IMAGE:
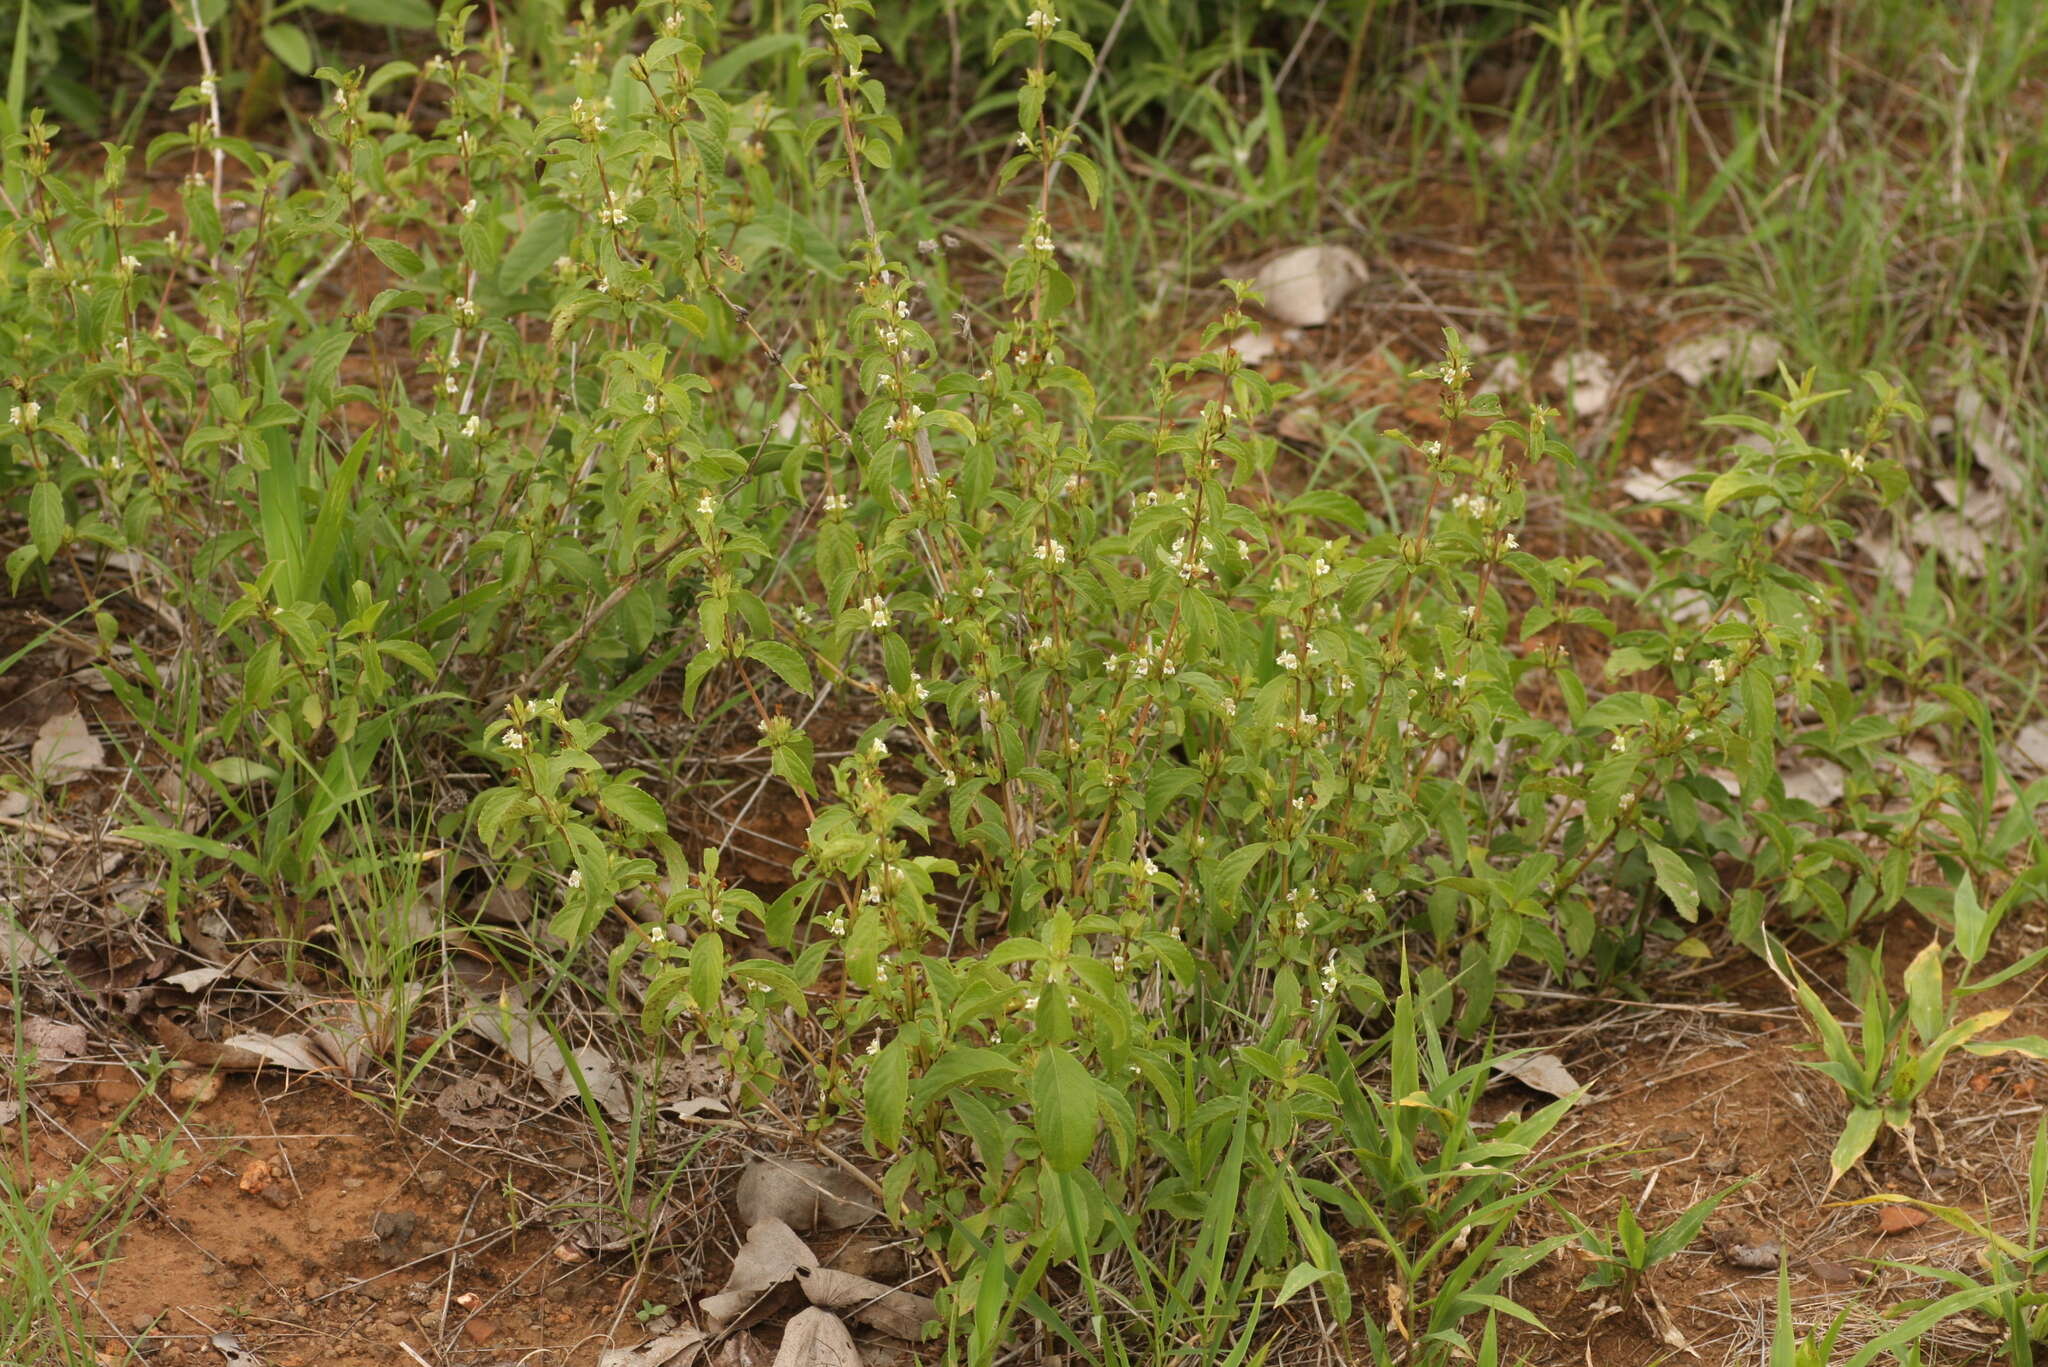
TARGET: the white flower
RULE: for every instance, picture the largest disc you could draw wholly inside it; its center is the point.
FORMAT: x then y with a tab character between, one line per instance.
451	385
1330	975
564	264
1309	719
1719	669
472	425
1318	567
575	879
1229	706
836	22
1151	869
1049	552
875	1044
1509	542
1024	141
130	265
877	609
1437	673
464	309
1041	22
469	207
612	215
24	415
1288	661
1854	460
1432	449
651	403
1469	611
707	504
657	935
1030	1002
1300	922
835	923
837	503
1372	899
207	89
1619	744
514	740
1042	244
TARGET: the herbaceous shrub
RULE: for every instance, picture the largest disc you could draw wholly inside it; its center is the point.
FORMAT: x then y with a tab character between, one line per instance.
537	385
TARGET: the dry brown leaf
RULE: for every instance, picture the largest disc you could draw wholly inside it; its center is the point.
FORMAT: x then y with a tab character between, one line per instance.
742	1349
1541	1072
13	802
1304	285
1750	1251
2030	744
1736	351
902	1313
1588	379
1950	536
1253	348
10	1111
476	1102
669	1350
1899	1219
1659	482
230	1347
804	1196
54	1043
770	1257
1834	1273
1819	781
816	1338
506	1023
65	749
21	947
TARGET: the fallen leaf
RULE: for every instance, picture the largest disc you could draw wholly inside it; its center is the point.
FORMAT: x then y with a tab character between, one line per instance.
10	1111
193	979
1738	351
65	749
670	1350
2030	744
13	802
1991	441
742	1349
690	1107
902	1313
1304	285
1542	1072
1253	348
816	1338
1658	483
1834	1273
1588	378
1898	568
1750	1251
770	1257
54	1043
1899	1219
506	1023
1951	536
230	1347
21	947
1819	781
476	1102
1507	378
804	1196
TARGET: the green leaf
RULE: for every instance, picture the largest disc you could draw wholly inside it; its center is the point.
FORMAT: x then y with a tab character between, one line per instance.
1063	1095
787	664
886	1095
46	525
1676	878
400	259
1859	1132
398	13
546	237
636	808
291	46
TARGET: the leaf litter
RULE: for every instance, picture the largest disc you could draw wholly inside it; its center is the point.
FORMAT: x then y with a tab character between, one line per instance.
65	749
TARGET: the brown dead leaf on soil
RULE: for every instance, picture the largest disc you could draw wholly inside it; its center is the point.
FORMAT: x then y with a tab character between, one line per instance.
65	749
1540	1072
768	1259
804	1196
668	1350
817	1338
901	1313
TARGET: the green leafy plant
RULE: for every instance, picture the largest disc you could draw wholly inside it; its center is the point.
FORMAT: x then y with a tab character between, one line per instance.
1901	1045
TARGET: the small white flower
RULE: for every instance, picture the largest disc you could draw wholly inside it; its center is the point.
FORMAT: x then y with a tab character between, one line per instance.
1042	244
1437	673
1469	612
464	309
514	740
1619	744
707	504
1299	804
24	415
472	425
877	609
564	265
1432	449
130	265
1854	460
1041	21
1309	719
469	207
1024	141
836	22
1372	899
657	935
207	89
1030	1002
1229	706
575	879
1049	552
650	404
612	216
875	1044
1288	661
949	778
1300	922
1719	669
451	385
